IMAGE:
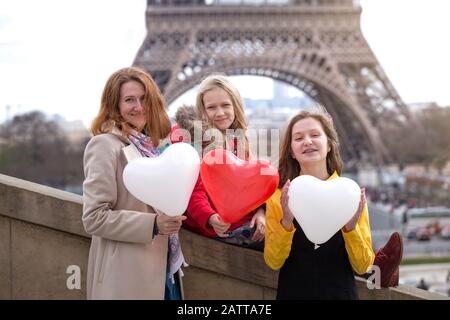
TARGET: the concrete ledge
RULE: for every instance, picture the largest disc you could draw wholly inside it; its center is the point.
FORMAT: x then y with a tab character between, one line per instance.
5	262
236	262
45	206
201	284
40	258
400	292
41	234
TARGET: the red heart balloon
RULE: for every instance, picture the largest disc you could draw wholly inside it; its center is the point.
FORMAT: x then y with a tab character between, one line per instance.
236	186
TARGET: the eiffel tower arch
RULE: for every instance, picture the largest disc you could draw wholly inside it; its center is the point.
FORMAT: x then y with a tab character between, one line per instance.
314	45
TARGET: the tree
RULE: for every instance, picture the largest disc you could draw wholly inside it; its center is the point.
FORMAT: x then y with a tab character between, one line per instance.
37	149
425	142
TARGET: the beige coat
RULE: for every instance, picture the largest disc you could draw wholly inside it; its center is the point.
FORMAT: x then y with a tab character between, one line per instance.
125	261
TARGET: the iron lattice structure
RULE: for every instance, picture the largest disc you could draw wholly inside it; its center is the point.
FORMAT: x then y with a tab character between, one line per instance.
314	45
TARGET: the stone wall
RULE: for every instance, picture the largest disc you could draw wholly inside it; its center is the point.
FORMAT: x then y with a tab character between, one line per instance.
41	235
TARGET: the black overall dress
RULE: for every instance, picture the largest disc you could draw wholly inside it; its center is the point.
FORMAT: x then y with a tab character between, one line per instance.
324	273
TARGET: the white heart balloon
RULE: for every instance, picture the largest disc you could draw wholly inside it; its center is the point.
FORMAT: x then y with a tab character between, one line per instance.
165	182
321	208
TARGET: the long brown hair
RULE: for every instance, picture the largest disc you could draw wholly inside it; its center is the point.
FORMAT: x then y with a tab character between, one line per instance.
157	122
289	168
219	81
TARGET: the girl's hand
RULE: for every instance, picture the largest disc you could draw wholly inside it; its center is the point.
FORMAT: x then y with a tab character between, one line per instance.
218	225
169	225
288	217
354	220
259	218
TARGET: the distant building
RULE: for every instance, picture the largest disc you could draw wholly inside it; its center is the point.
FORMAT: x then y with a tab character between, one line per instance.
280	90
268	114
274	114
368	177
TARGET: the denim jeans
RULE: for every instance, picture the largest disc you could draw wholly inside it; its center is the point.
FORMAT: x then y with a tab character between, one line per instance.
172	291
242	236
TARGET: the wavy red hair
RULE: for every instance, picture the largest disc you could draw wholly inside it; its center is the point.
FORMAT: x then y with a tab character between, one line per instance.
158	123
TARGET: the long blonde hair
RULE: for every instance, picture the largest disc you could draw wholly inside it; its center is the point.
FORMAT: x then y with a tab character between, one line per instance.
157	122
289	168
219	81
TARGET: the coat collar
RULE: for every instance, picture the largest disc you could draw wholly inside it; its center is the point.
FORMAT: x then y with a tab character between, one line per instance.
129	150
115	131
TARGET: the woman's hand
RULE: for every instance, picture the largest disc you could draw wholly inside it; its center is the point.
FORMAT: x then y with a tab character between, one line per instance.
168	225
218	225
354	220
288	217
259	218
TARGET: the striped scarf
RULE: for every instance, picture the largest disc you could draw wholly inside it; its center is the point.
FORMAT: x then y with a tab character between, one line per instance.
144	144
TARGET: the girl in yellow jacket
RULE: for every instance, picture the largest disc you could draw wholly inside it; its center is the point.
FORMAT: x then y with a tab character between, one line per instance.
311	147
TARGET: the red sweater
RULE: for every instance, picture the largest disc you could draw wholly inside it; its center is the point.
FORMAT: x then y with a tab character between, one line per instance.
199	210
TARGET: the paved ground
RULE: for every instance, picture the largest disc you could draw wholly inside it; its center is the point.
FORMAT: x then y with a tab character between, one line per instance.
434	275
383	224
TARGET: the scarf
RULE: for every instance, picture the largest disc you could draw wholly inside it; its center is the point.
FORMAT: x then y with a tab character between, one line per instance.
176	258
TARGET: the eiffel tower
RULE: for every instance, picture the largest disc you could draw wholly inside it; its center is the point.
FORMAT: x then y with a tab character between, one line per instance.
314	45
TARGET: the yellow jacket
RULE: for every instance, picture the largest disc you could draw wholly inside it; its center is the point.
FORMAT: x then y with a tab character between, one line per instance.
358	242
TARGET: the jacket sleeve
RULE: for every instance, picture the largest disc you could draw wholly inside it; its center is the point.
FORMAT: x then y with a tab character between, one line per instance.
100	187
277	244
358	244
199	208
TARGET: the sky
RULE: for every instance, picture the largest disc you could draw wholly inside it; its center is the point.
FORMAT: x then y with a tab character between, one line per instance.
56	55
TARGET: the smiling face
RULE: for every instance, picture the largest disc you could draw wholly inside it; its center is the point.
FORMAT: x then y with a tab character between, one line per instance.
131	104
309	142
219	108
